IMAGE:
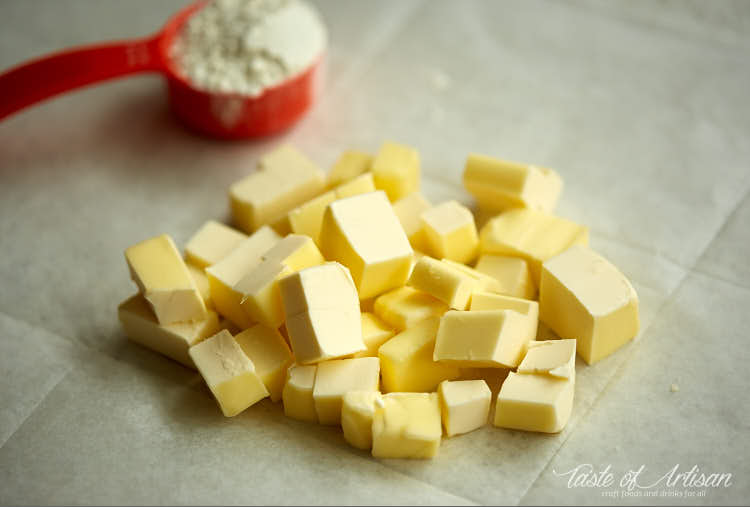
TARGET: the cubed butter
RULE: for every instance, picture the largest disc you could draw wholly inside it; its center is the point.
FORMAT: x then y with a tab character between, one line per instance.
403	307
201	283
483	282
450	232
375	333
357	411
307	218
534	403
551	357
211	243
465	405
444	282
228	372
406	425
490	301
396	170
297	395
512	274
361	184
409	209
348	166
270	354
584	296
337	377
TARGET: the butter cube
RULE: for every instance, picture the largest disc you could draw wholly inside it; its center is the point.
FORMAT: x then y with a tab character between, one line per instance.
322	313
362	184
164	280
171	340
407	425
484	282
443	282
270	354
489	301
465	405
534	403
375	333
552	357
285	179
406	361
409	209
450	232
500	184
224	275
357	412
296	252
229	373
363	233
201	283
583	296
396	170
211	243
348	166
532	235
512	274
488	338
336	378
307	218
297	395
403	307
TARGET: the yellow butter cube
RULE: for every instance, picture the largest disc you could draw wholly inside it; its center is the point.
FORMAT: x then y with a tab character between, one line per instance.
270	354
363	233
409	209
211	243
501	184
584	296
490	301
406	425
465	405
512	274
534	403
396	170
348	166
297	395
164	280
308	217
295	251
375	333
483	282
361	184
551	357
228	372
406	361
532	235
336	378
201	283
357	412
443	282
450	232
403	307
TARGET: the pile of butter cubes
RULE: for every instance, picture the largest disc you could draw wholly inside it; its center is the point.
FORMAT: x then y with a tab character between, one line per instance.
358	303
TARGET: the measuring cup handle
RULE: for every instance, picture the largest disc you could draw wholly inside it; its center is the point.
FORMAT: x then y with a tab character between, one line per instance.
50	75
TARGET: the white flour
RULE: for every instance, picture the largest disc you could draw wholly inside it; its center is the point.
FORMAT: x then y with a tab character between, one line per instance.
245	46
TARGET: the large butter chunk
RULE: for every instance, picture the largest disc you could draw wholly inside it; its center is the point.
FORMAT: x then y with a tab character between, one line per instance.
406	362
285	179
322	313
211	243
500	184
172	340
583	296
375	333
396	170
444	282
228	372
336	378
224	275
405	306
357	412
297	395
409	209
511	273
450	232
534	403
465	405
363	233
406	425
164	280
532	235
487	338
552	357
348	166
270	354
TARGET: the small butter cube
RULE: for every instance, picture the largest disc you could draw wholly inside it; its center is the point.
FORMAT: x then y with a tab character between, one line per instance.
164	280
443	282
405	306
396	170
500	184
488	338
322	313
307	218
295	251
270	354
336	378
406	361
490	301
552	357
224	275
465	405
534	403
375	333
512	274
583	296
297	395
357	412
409	209
172	340
229	373
363	233
406	425
211	243
483	282
450	232
348	166
533	235
362	184
201	283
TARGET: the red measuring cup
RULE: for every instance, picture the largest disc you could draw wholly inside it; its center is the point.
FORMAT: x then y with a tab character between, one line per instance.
226	115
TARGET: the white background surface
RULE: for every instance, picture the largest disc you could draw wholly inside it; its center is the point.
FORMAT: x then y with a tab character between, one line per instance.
641	106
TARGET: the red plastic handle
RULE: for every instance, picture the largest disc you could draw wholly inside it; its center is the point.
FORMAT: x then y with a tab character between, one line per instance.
59	72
